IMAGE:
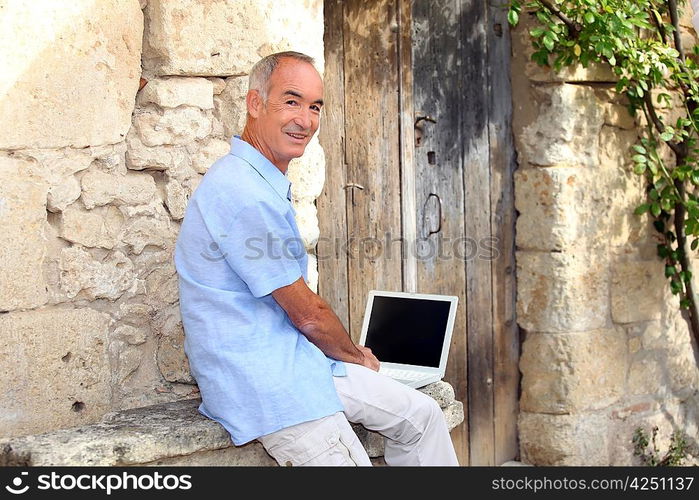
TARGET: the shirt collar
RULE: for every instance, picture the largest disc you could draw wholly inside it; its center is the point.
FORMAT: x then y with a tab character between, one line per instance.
264	167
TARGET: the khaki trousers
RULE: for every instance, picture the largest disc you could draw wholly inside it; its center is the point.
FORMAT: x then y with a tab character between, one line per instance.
412	423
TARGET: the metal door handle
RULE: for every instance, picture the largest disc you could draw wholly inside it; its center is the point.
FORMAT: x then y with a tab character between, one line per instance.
426	118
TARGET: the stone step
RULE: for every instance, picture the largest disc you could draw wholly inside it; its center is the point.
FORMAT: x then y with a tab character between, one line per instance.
169	434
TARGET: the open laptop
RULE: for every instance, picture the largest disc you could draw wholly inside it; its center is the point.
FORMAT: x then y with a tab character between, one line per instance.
410	334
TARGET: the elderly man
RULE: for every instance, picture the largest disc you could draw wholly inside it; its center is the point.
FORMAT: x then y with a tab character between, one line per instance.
272	360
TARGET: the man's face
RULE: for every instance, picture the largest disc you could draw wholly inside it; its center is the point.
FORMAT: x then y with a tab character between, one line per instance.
290	117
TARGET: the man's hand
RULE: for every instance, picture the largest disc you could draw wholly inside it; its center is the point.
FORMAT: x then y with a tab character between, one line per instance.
370	360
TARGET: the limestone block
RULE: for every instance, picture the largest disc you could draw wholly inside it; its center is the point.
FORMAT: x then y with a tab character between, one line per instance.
312	272
637	290
129	359
205	155
140	157
171	92
172	361
63	194
141	232
172	126
109	278
100	188
99	227
70	384
562	292
561	207
176	198
577	439
621	443
646	375
307	174
218	83
566	130
682	370
130	334
70	72
624	189
231	108
23	243
307	221
161	283
226	38
572	372
173	433
617	115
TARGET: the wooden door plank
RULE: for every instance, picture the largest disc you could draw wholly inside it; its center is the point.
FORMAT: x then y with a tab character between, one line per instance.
407	144
372	153
502	164
477	228
331	204
438	93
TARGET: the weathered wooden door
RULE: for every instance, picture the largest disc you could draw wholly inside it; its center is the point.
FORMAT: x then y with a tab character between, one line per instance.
418	192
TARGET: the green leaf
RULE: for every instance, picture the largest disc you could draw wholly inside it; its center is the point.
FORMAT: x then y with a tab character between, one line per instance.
640	159
548	42
513	17
695	244
676	287
655	209
642	209
670	271
589	17
536	32
639	168
663	251
640	149
667	136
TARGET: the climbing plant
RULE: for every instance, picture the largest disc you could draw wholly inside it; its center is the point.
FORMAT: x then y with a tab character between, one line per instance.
641	41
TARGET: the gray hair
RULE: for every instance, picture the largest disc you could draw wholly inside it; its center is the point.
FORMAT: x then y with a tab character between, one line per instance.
263	69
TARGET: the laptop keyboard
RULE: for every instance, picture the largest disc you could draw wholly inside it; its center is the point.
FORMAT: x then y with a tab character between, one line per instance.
402	375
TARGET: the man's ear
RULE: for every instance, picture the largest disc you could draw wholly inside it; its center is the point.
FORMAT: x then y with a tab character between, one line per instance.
253	100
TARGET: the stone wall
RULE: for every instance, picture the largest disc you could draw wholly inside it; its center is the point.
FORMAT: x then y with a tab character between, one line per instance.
605	349
94	179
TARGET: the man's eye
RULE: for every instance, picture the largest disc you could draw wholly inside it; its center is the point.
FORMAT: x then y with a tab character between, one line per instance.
316	109
291	102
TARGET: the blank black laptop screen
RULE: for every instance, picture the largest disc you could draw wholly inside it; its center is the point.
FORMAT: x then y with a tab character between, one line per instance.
408	331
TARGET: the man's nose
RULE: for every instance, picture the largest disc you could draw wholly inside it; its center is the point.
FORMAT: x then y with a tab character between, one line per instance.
304	118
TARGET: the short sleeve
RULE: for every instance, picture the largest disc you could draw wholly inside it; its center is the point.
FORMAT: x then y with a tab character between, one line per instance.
262	247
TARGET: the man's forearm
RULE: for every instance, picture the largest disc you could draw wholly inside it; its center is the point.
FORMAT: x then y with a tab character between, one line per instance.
328	334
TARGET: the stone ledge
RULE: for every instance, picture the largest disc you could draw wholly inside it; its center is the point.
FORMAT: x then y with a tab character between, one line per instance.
169	434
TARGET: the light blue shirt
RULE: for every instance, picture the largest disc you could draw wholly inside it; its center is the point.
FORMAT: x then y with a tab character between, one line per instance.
238	243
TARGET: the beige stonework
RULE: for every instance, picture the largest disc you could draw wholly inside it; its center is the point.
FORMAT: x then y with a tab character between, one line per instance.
22	244
562	292
70	72
230	105
573	372
226	38
637	291
566	130
180	125
100	188
59	375
99	227
172	92
108	278
577	439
